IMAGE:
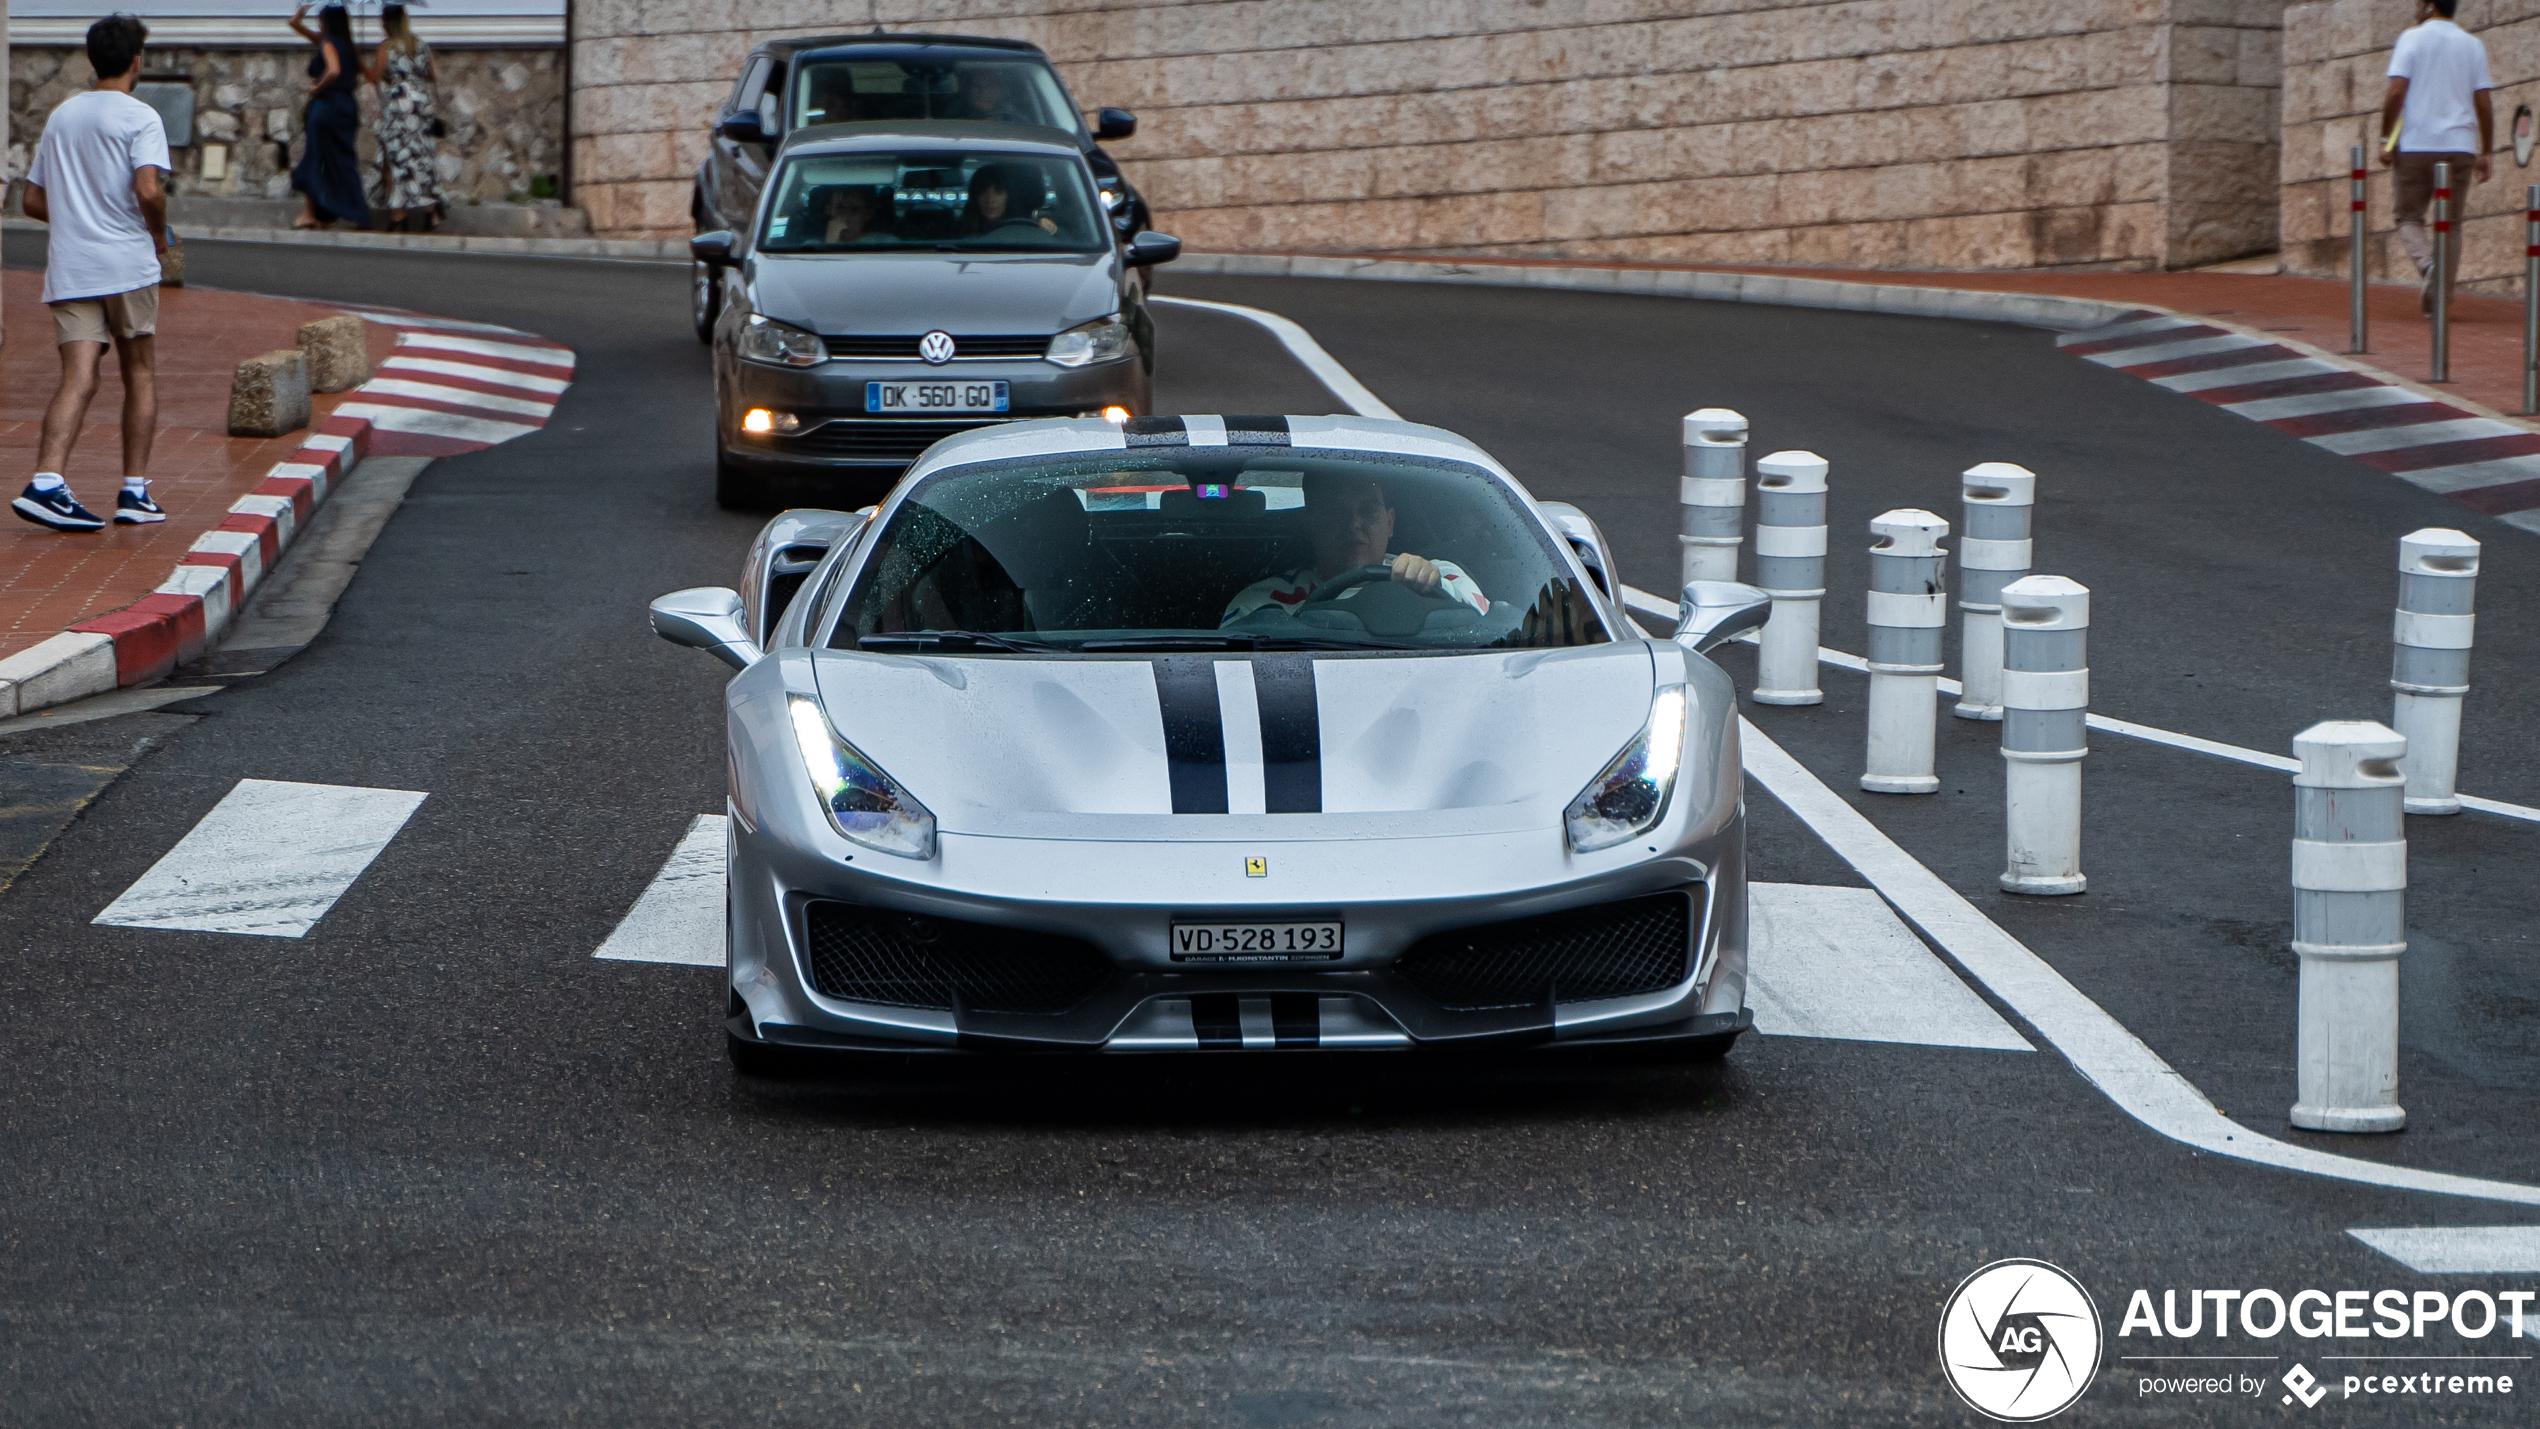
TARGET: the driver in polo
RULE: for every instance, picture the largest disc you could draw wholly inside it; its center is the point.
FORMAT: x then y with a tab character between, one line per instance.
1351	524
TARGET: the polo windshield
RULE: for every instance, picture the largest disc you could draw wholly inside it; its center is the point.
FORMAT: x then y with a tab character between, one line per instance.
963	200
1223	548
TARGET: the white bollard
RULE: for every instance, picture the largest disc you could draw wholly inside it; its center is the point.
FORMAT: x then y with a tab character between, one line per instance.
1713	494
1790	565
2350	879
2429	671
1993	551
1908	605
2045	731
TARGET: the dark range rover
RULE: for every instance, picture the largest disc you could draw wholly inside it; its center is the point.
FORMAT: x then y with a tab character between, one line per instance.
892	79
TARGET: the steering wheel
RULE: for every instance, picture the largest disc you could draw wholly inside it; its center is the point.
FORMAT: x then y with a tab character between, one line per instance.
1350	580
1018	221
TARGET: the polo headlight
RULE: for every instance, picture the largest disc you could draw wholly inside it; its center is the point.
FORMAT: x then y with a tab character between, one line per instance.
866	804
1098	341
1630	797
785	346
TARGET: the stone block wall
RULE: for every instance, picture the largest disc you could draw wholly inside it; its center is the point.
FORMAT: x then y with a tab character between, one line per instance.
504	110
2336	59
1848	133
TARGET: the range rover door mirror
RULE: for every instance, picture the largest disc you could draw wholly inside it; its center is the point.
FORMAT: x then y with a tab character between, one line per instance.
1712	613
743	128
1114	124
1150	248
713	248
707	618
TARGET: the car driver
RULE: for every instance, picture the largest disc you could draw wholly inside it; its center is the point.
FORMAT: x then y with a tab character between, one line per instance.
1351	524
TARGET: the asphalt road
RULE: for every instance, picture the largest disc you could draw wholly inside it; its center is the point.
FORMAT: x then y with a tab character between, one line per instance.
435	1163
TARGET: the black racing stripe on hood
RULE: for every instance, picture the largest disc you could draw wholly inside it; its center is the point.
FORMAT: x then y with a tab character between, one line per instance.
1256	431
1291	734
1155	432
1194	736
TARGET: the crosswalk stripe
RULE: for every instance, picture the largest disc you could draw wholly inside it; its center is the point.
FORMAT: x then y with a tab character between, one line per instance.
457	425
1839	963
481	347
477	371
679	918
2458	1250
455	396
269	859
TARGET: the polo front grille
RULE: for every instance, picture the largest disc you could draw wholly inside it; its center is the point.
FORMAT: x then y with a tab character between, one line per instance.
904	349
899	442
1640	945
861	954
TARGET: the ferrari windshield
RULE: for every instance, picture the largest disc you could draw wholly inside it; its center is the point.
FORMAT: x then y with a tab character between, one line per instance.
1214	548
958	200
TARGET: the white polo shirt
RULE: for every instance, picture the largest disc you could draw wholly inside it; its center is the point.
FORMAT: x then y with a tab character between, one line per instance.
2444	65
84	163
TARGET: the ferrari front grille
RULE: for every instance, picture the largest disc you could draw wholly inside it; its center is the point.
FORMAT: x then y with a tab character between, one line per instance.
860	954
1621	949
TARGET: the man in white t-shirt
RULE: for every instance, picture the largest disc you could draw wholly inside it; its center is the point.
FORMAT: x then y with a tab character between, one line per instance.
2439	104
98	180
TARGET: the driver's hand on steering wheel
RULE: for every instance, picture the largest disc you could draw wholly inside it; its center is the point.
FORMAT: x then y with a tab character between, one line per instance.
1048	224
1417	572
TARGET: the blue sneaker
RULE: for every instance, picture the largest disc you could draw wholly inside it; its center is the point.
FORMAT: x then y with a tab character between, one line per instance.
135	508
56	508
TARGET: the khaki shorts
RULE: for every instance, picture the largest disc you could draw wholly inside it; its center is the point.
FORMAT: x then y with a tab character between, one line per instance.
133	314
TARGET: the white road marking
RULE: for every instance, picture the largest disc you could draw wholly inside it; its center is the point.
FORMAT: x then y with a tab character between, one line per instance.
2311	404
499	376
1302	346
2247	373
2100	1048
511	351
2470	475
2130	329
2459	1250
1837	962
269	859
680	917
457	396
1649	604
435	424
2423	434
2168	351
1239	716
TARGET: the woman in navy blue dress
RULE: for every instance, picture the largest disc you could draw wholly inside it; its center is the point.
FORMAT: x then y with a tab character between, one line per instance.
329	174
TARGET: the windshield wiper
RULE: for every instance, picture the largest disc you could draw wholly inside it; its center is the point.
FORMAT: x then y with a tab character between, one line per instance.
1240	642
972	638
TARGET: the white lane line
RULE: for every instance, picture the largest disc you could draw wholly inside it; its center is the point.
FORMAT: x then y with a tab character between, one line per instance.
1837	962
2100	1048
457	396
476	372
2458	1250
1649	604
269	859
1302	346
680	917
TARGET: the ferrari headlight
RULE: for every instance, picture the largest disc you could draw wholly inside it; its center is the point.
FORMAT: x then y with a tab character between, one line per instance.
765	341
866	804
1098	341
1630	797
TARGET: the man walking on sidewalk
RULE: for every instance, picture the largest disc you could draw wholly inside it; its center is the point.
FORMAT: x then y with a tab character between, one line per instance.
2439	103
97	180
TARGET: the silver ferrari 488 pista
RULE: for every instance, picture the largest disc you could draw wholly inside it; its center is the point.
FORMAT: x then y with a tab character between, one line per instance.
1196	733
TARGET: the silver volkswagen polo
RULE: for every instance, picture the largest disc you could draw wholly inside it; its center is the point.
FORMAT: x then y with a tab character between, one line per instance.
1219	732
903	284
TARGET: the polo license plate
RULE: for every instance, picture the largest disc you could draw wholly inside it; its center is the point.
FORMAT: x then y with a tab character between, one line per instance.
901	399
1256	942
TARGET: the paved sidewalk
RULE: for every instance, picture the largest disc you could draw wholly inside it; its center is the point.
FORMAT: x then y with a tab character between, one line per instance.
50	581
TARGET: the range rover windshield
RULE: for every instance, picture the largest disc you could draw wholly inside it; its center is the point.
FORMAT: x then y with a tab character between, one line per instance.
884	87
1214	548
963	201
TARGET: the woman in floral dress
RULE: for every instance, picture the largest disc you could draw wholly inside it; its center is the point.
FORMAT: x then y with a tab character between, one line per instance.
402	69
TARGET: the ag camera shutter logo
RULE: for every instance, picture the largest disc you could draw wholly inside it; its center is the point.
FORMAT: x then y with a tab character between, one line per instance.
2019	1341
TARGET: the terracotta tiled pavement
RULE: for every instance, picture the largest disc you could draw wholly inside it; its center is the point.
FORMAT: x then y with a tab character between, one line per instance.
50	581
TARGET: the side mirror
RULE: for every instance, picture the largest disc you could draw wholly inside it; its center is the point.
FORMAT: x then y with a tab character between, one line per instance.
1150	248
714	249
1585	540
707	618
1114	124
1712	613
743	128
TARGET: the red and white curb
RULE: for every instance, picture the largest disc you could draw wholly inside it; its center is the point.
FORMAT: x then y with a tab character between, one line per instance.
2480	462
452	387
